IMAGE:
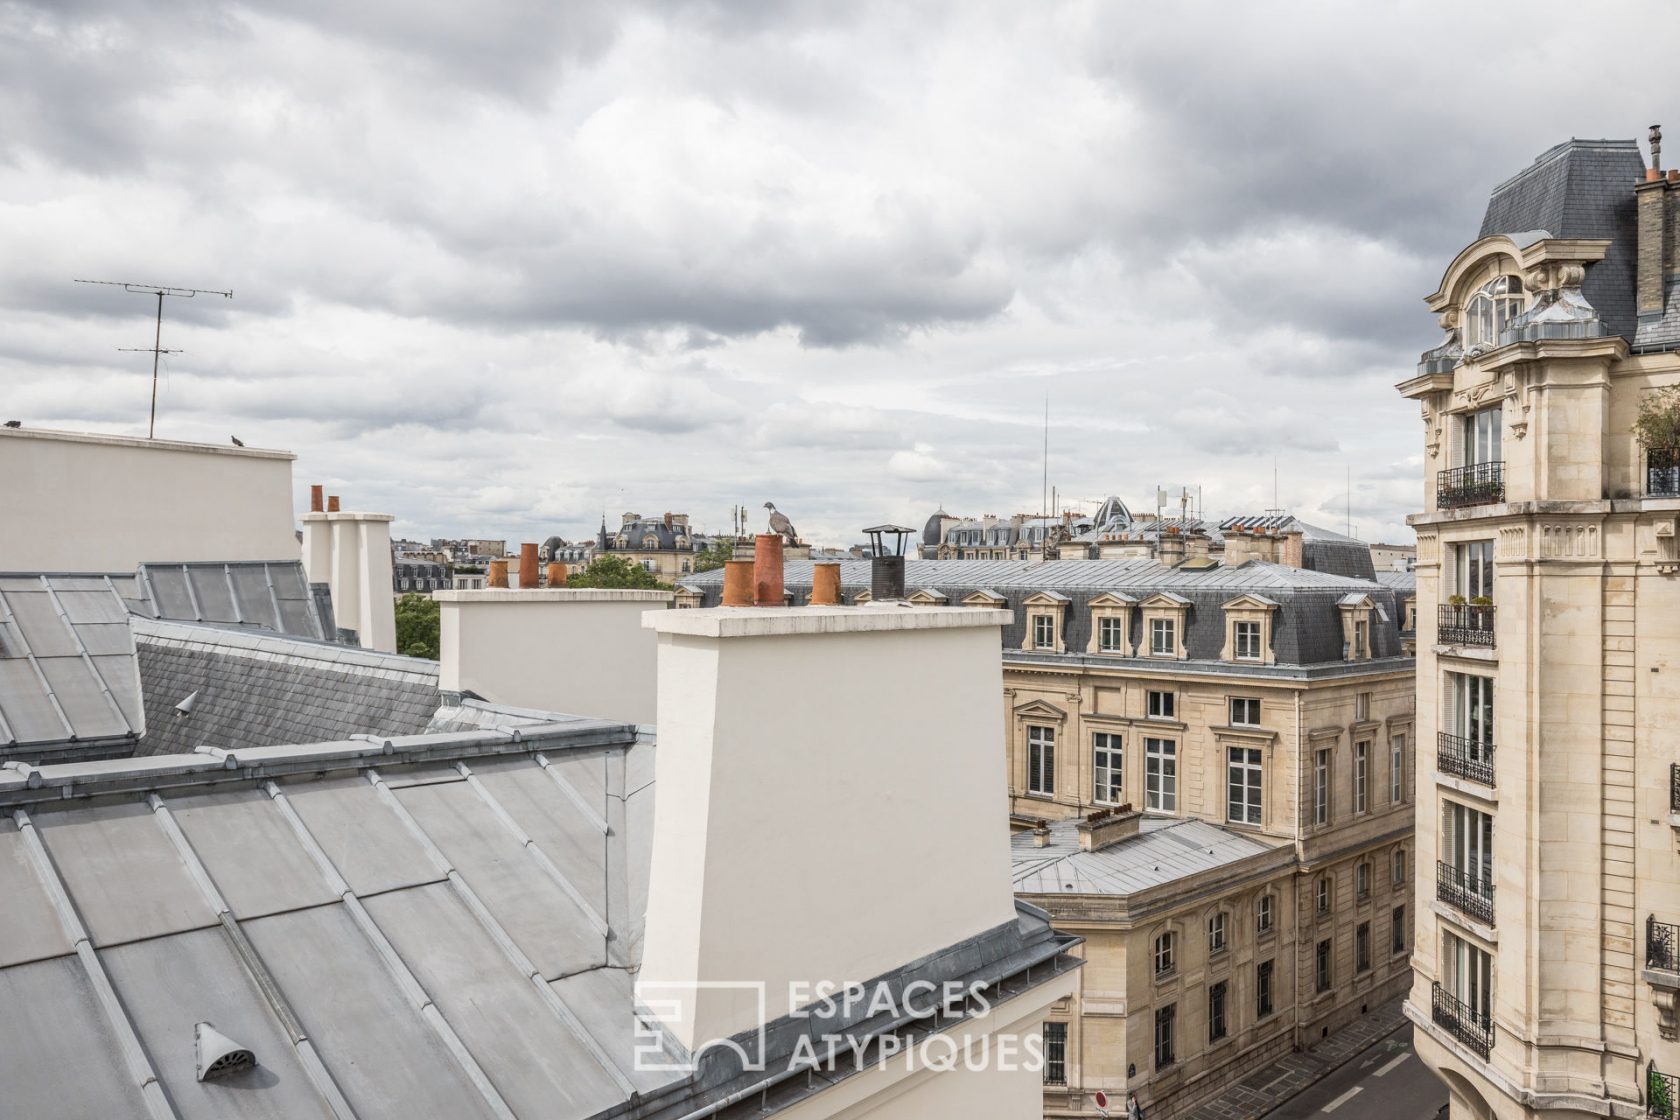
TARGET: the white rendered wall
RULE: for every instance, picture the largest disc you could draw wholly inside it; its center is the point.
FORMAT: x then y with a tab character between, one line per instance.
833	799
71	501
582	651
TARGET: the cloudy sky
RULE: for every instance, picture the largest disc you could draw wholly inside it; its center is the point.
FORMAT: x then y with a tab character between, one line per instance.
498	267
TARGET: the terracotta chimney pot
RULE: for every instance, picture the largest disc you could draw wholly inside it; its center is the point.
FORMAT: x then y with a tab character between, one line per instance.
557	574
825	585
1674	174
332	503
737	583
767	570
317	500
498	574
527	565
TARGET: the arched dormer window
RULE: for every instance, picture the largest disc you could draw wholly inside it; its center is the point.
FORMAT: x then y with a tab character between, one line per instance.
1491	310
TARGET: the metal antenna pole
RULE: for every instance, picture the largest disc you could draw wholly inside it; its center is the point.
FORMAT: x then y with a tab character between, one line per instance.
156	347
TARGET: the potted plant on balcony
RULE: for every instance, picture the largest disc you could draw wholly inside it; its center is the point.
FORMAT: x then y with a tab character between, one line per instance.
1481	601
1455	600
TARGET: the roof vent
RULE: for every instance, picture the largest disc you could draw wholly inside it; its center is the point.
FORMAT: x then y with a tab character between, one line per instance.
219	1055
185	707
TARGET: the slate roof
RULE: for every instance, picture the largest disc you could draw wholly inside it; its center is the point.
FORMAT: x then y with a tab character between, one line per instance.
1581	189
69	681
262	689
1164	850
1307	629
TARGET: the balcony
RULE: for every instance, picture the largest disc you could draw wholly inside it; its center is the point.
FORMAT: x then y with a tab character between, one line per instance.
1463	891
1465	624
1464	758
1478	484
1661	1091
1674	787
1662	472
1462	1022
1662	945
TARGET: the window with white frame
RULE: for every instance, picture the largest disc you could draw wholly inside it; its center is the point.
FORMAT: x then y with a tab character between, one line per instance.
1111	634
1362	879
1491	309
1471	717
1041	760
1361	707
1166	953
1160	704
1480	436
1160	775
1322	894
1467	836
1264	914
1245	711
1397	866
1216	933
1044	631
1246	640
1321	787
1469	977
1397	769
1108	764
1163	637
1361	638
1243	781
1361	777
1473	570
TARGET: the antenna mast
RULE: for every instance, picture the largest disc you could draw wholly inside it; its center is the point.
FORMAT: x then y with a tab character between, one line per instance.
156	348
1044	489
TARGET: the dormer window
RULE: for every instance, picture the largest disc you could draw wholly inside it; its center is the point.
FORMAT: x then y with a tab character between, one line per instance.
1164	624
1111	624
1248	629
1491	310
1045	613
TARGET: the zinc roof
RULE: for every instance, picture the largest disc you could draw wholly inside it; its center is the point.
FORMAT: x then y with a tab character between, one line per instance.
1164	850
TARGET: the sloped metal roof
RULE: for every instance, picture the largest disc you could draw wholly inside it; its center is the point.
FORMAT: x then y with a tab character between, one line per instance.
1164	850
69	680
273	596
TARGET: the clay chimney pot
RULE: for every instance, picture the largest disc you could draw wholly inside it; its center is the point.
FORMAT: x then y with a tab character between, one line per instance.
317	501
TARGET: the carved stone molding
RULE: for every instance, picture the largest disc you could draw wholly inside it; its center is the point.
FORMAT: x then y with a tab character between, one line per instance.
1569	541
1668	1013
1512	543
1668	560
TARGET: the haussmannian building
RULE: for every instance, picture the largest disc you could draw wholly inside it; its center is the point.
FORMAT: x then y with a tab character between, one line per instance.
1548	589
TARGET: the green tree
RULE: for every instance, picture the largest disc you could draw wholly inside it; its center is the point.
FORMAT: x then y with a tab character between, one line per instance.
417	626
1658	423
615	571
722	549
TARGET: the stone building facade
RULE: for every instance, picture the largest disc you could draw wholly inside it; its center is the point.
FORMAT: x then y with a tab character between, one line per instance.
1549	889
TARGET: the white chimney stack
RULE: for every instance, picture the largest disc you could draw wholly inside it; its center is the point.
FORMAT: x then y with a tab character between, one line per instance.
831	803
351	554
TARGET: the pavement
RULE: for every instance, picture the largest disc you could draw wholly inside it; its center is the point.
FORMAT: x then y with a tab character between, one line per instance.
1365	1071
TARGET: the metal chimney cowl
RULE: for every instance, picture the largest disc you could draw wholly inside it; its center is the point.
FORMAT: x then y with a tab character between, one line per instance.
886	578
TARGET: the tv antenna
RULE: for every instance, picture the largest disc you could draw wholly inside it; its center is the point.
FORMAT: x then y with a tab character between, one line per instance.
156	348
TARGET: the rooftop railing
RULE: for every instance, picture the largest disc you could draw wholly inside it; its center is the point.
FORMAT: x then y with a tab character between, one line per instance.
1473	894
1662	945
1464	758
1662	472
1463	1022
1465	624
1477	484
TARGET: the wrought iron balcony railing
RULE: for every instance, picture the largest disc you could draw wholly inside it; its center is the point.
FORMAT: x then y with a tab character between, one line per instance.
1662	1091
1472	894
1466	624
1464	1023
1478	484
1662	945
1464	758
1674	787
1662	472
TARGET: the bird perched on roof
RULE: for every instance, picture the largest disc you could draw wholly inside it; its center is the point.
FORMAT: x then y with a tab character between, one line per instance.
237	442
14	423
780	524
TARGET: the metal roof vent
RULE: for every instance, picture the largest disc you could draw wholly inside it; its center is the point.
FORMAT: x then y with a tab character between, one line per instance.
185	707
219	1055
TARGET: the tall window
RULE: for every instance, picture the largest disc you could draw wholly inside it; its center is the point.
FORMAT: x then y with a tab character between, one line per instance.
1397	930
1041	760
1160	775
1322	892
1468	839
1473	569
1398	869
1164	1018
1472	713
1111	636
1044	631
1263	990
1162	635
1321	966
1491	310
1361	777
1361	706
1245	711
1055	1053
1216	934
1397	769
1247	640
1362	879
1160	704
1263	914
1166	953
1242	804
1470	976
1216	1011
1107	763
1481	436
1321	787
1362	947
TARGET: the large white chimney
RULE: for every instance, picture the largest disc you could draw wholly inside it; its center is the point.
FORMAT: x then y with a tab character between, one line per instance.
831	801
351	553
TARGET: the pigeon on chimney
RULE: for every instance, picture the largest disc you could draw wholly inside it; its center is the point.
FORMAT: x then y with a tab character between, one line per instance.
237	442
780	524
